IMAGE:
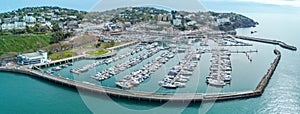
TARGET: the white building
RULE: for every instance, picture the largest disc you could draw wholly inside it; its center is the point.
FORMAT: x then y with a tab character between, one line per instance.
41	19
177	22
55	19
190	23
30	25
49	24
33	58
6	20
15	19
223	20
167	17
20	25
6	26
46	23
73	17
29	19
178	16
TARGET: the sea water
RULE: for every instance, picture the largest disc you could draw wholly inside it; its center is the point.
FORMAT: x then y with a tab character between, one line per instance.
25	94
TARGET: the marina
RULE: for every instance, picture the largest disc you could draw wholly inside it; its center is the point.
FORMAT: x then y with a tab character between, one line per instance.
151	97
178	76
114	70
220	68
280	95
138	76
107	61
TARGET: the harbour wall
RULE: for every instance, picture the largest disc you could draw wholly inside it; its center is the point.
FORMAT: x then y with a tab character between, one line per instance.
152	97
265	80
275	42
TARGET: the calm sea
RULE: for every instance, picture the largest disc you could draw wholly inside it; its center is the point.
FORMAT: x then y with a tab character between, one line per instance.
24	94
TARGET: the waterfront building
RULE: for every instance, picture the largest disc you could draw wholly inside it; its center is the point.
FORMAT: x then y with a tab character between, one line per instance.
3	63
33	58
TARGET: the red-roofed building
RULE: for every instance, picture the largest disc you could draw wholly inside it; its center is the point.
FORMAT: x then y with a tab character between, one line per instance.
96	39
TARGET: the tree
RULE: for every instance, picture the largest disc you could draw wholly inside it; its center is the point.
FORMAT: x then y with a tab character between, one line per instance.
57	36
29	29
18	31
80	16
60	36
7	15
55	27
112	43
36	28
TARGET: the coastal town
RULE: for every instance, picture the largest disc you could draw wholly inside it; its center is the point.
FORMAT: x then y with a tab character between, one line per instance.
55	29
124	48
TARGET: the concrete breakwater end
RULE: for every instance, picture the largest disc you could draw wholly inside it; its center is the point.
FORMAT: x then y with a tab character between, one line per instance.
146	96
280	43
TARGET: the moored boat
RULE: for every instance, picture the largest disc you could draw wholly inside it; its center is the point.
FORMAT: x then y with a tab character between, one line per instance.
56	68
217	83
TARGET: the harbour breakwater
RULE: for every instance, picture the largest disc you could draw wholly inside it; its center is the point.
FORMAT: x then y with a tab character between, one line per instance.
146	96
275	42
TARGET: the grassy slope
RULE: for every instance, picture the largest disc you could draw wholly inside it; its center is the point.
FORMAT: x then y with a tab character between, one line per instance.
62	55
97	52
23	43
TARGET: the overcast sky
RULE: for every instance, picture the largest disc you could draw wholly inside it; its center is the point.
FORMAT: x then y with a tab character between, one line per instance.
190	5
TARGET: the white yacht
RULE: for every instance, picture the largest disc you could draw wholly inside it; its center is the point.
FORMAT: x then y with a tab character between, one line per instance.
213	82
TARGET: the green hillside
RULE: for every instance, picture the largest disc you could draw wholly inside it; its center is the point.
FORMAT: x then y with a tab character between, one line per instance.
23	43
